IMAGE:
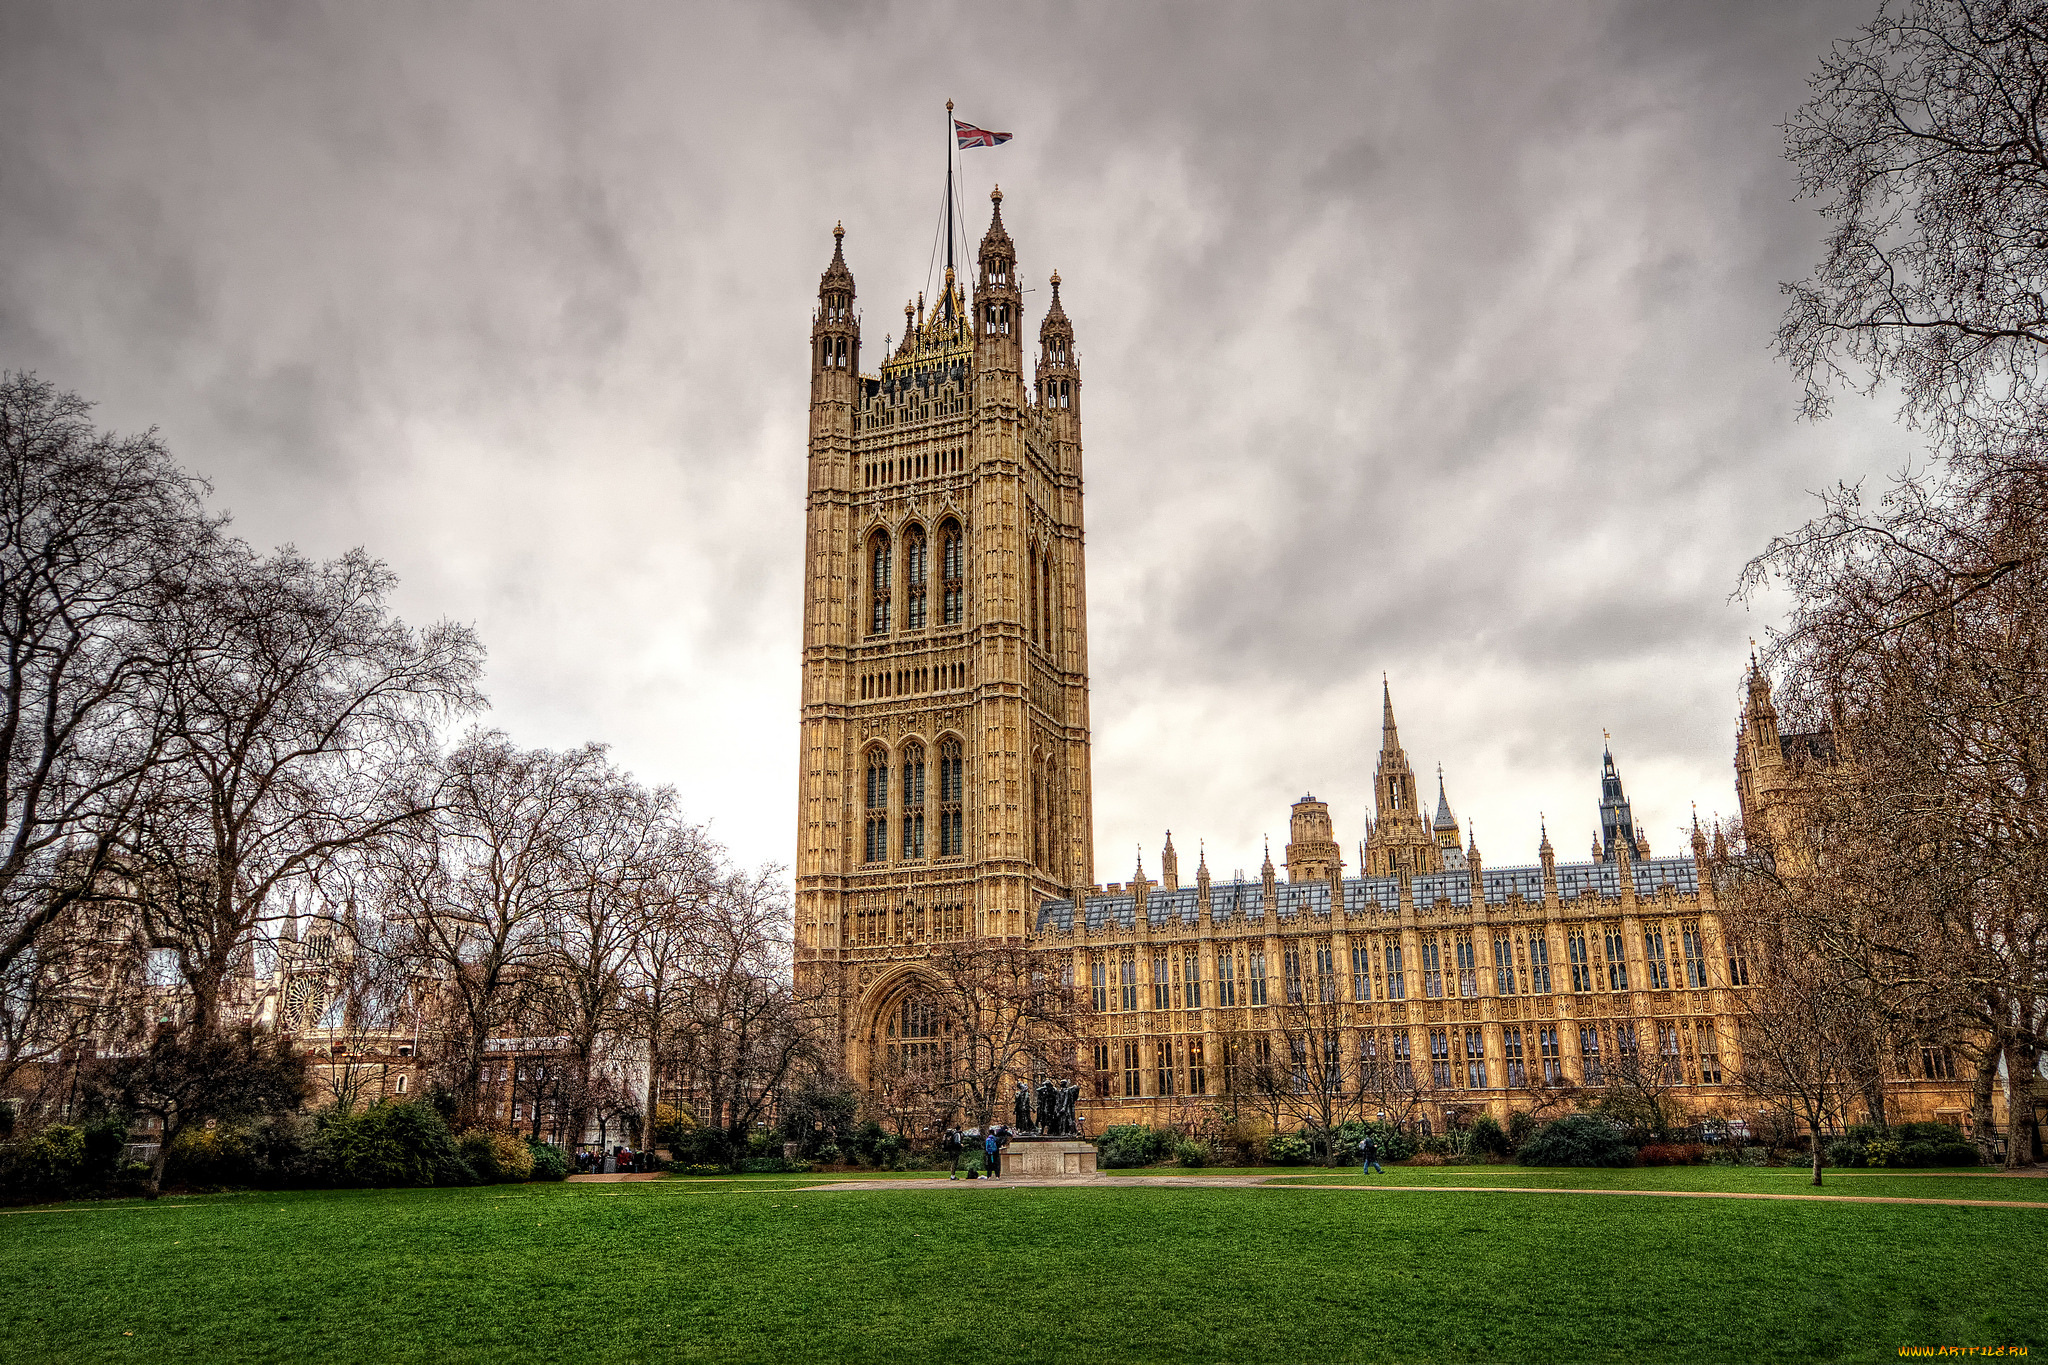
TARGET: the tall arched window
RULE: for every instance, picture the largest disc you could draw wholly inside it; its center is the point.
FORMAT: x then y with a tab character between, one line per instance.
876	849
1037	815
913	802
1031	611
952	787
916	556
1045	592
879	570
953	573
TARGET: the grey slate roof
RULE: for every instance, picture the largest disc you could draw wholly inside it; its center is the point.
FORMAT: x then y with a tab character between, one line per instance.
1246	900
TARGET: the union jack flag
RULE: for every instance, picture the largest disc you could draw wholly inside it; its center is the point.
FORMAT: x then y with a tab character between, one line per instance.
971	136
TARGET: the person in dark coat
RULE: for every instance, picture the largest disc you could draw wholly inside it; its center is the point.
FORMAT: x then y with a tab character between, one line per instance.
992	1154
952	1146
1369	1154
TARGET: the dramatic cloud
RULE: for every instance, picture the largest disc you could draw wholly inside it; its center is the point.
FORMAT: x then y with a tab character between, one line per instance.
1430	340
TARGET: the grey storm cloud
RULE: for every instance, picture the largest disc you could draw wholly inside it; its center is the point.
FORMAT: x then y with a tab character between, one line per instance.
1424	340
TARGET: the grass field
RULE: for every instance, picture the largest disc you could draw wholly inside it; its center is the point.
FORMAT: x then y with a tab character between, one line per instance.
763	1270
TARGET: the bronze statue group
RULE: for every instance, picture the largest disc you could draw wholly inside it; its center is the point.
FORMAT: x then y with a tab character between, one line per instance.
1055	1105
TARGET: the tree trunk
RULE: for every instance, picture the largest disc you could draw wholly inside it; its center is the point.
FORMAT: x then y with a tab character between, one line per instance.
653	1090
167	1134
1981	1092
2021	1060
1813	1138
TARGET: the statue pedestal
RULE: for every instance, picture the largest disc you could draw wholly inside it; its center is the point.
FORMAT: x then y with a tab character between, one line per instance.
1028	1154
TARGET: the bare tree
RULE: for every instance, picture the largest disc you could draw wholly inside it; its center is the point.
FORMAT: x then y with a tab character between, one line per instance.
97	534
592	933
1923	142
1392	1085
183	1079
1310	1079
1003	1014
747	1030
478	887
300	724
668	917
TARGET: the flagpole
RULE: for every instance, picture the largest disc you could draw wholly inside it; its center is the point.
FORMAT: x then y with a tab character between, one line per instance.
950	139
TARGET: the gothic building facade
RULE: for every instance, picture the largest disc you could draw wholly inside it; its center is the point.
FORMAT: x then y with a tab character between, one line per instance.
944	784
945	792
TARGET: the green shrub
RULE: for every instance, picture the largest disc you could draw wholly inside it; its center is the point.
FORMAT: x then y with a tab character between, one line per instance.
1124	1145
1487	1138
1845	1154
1577	1140
1756	1156
694	1168
549	1162
1191	1153
1521	1127
1936	1133
1723	1156
497	1157
1916	1154
1394	1144
1955	1152
46	1163
1288	1149
391	1144
1880	1152
772	1165
210	1157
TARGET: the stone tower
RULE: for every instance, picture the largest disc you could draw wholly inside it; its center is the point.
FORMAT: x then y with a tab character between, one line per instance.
1312	853
945	783
1401	840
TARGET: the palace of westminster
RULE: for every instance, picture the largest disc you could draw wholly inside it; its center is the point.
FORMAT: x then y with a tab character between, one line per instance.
946	790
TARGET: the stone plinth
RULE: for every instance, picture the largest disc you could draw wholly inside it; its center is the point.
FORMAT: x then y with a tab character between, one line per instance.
1029	1155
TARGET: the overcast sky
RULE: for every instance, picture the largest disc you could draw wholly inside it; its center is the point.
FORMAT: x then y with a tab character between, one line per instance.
1431	340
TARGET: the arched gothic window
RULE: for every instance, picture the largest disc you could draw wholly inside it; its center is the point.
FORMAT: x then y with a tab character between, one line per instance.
876	849
953	573
952	788
1037	816
1045	593
1032	556
913	802
916	556
879	570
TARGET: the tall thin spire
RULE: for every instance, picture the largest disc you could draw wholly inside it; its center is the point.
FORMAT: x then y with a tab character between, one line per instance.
1390	738
949	194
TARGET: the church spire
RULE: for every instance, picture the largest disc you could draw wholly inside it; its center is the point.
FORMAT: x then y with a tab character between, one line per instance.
1169	865
1390	738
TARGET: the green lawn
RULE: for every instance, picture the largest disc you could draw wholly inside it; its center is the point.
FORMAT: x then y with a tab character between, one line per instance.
763	1270
1943	1184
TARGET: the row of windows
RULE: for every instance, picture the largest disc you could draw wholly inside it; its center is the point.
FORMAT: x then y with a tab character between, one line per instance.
883	588
832	354
875	473
879	919
1057	393
1187	1073
904	682
1688	1053
912	812
1445	963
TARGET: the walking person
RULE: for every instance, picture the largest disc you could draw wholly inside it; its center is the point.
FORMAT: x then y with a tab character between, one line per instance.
1369	1154
992	1154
